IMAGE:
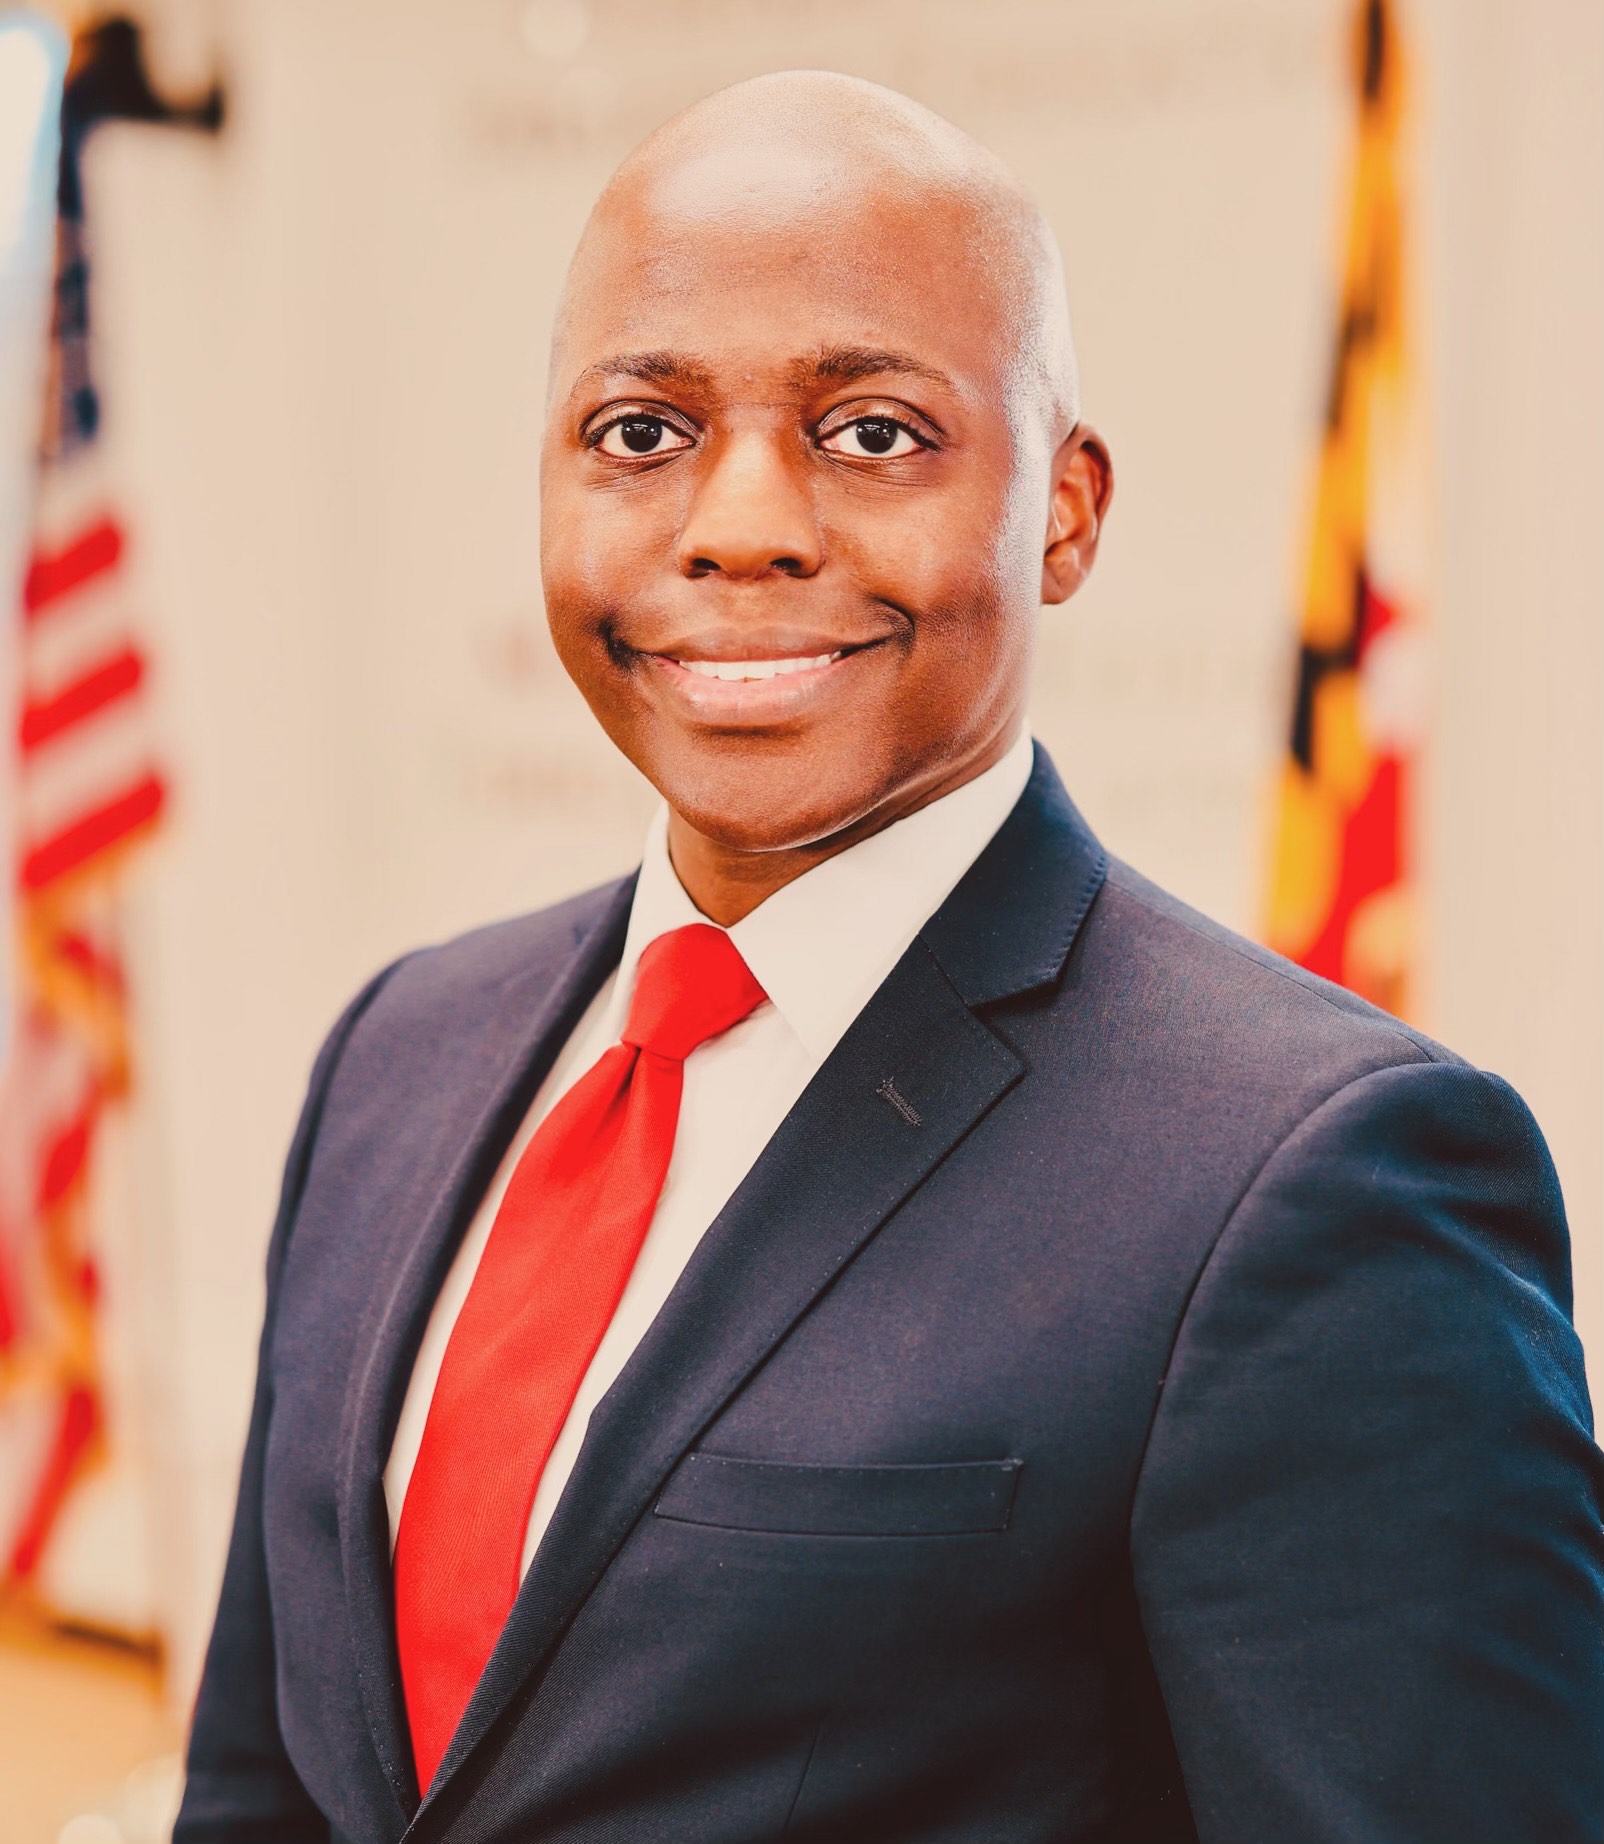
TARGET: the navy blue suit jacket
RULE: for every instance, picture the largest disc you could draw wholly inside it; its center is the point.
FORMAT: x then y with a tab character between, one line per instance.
1165	1424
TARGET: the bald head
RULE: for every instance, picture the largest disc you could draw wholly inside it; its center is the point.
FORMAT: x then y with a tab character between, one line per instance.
797	157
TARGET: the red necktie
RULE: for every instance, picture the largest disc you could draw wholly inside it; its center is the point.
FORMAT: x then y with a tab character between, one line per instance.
553	1270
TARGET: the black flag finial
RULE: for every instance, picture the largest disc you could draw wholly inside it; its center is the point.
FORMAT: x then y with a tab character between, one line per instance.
108	81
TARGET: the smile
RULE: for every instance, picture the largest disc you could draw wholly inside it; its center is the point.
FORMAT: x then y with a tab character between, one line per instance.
744	669
753	693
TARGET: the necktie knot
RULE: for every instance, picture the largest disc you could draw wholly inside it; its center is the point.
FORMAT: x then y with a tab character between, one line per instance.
691	984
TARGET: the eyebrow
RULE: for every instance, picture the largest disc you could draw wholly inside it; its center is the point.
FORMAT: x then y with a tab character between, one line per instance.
847	364
830	365
659	367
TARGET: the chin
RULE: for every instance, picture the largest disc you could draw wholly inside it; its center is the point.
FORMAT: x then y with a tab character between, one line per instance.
748	809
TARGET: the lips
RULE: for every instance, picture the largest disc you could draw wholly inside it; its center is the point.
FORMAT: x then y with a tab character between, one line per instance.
735	671
748	693
752	673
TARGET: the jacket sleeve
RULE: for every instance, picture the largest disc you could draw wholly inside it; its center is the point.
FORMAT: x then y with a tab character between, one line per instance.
1367	1531
240	1785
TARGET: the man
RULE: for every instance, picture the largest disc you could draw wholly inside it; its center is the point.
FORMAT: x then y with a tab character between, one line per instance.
886	1327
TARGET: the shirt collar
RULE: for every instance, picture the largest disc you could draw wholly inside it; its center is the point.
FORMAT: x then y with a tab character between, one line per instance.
820	946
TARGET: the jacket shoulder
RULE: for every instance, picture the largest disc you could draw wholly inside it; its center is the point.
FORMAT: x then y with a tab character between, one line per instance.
1184	962
505	948
450	985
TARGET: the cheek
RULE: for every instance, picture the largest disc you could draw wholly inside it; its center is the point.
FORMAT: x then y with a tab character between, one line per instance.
954	553
582	654
957	573
596	547
581	571
975	584
581	584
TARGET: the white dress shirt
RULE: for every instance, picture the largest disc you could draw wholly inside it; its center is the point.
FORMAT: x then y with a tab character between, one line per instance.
819	948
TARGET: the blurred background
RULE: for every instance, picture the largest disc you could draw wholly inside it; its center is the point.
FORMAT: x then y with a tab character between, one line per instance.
276	581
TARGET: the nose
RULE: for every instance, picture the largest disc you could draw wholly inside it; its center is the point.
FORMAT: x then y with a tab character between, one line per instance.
751	516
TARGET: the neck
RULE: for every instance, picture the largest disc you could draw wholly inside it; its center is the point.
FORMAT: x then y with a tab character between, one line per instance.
727	884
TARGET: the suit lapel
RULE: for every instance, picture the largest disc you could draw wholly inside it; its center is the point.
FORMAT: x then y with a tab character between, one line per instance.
912	1076
511	1049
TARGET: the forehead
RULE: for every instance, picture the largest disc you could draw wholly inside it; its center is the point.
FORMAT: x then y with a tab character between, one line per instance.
761	282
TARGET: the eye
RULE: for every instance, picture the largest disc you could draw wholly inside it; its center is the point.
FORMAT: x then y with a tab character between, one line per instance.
872	438
636	435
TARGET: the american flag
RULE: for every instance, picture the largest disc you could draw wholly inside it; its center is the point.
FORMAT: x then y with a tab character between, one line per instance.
86	789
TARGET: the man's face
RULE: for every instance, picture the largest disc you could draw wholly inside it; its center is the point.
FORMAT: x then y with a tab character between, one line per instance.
792	513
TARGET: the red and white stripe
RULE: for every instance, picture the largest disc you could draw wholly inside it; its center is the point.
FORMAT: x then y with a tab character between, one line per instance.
86	776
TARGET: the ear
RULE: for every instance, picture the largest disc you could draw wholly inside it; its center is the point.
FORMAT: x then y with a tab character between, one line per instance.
1082	486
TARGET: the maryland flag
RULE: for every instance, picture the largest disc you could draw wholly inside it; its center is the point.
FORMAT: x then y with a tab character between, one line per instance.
1341	897
86	790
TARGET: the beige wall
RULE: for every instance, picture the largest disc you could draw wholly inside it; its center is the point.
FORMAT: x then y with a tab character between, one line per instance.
1516	821
327	339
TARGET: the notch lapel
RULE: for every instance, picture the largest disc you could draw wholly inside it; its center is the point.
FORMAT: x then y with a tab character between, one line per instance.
914	1073
503	1059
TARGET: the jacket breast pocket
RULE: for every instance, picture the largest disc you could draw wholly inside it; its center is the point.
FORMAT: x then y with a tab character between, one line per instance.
969	1497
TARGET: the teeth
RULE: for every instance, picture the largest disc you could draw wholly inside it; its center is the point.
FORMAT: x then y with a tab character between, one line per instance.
754	668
